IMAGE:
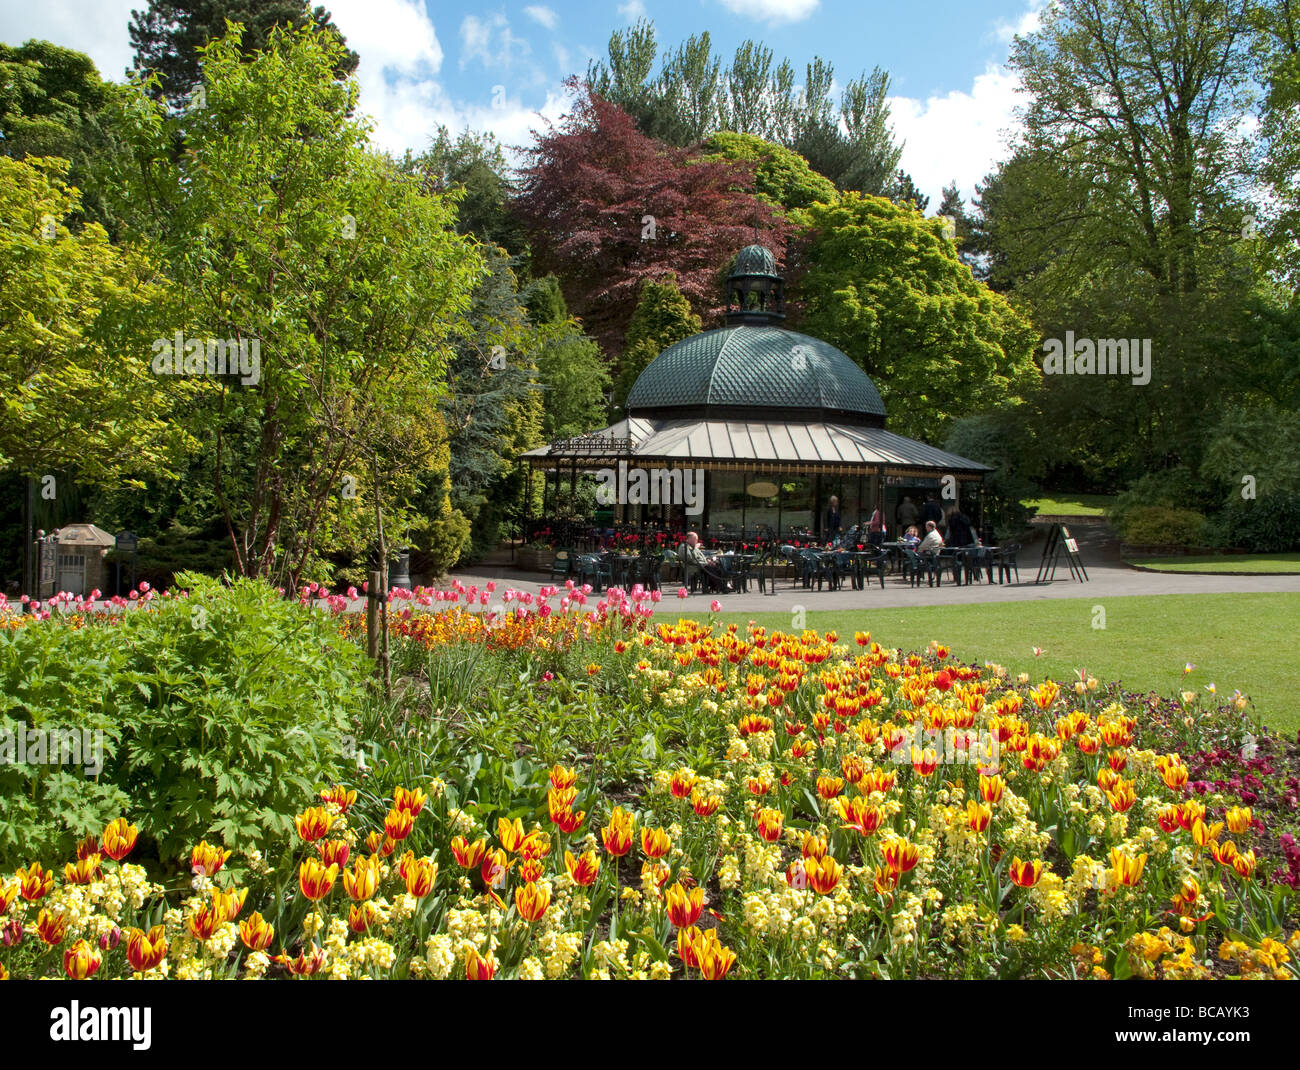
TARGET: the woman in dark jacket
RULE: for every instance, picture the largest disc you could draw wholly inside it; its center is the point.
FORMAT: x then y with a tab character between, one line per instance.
960	531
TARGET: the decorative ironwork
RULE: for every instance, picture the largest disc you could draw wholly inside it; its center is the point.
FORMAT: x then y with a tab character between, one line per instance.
592	444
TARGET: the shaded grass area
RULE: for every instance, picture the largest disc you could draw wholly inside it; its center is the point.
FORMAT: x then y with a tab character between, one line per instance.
1236	641
1262	563
1073	504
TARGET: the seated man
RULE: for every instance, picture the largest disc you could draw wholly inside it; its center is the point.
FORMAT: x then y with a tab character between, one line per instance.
694	555
933	541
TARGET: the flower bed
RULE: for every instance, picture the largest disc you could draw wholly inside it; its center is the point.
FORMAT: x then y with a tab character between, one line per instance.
810	807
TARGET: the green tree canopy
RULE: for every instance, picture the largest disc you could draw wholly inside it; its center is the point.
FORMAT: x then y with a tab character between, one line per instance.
662	316
169	35
76	318
781	177
887	288
281	227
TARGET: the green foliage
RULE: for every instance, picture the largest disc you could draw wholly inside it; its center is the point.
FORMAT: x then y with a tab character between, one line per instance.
494	405
1169	489
662	316
51	104
1161	525
169	36
474	165
221	712
572	371
887	288
781	177
76	317
693	97
280	225
1001	440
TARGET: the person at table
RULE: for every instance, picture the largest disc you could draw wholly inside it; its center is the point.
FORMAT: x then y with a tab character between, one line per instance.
933	541
960	530
693	553
907	514
833	523
877	526
912	538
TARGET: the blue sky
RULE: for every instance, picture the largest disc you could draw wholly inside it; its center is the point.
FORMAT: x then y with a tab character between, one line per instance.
501	66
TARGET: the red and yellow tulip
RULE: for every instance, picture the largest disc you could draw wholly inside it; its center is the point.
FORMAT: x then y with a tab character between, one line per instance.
316	880
144	950
684	905
81	960
119	838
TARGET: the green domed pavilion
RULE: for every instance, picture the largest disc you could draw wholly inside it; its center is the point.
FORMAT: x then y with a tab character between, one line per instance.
778	421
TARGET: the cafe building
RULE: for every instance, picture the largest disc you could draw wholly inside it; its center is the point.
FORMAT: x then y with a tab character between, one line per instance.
775	422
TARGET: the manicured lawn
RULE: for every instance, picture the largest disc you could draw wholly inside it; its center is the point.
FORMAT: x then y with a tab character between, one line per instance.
1073	504
1222	563
1241	641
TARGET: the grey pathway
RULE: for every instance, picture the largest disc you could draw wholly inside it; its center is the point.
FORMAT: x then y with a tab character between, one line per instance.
1108	578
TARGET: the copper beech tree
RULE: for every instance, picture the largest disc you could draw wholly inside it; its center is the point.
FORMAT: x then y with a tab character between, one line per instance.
608	209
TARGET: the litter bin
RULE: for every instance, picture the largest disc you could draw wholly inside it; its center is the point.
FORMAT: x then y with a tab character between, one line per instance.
399	570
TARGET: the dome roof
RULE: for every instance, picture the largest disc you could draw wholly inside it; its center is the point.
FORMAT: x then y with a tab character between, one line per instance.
755	260
752	371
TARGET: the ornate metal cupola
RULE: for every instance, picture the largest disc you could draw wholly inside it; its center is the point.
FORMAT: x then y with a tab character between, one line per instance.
755	289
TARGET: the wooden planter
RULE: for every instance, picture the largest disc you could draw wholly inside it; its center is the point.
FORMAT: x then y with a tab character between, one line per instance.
532	560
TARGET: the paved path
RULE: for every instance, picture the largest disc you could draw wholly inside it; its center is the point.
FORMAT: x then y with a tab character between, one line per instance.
1107	578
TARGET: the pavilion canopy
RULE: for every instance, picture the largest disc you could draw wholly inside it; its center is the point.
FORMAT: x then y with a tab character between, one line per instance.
716	444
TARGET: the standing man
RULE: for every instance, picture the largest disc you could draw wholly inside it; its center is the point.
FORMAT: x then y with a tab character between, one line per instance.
907	515
833	523
932	510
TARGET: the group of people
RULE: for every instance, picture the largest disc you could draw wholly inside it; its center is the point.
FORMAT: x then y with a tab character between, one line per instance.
951	528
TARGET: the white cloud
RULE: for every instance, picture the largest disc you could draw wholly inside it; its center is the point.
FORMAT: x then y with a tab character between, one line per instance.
1027	23
400	60
632	10
959	135
543	15
98	29
476	42
773	10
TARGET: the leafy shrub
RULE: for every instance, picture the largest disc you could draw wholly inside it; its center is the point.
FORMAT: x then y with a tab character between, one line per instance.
1267	524
1174	488
1159	525
220	711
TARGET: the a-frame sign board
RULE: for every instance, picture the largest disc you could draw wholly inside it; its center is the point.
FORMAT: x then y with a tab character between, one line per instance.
1059	542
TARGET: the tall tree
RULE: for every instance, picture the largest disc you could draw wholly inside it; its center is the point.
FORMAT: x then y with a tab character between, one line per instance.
1145	102
77	315
886	288
473	164
952	209
52	104
1277	34
693	96
663	316
282	228
608	208
1120	216
169	34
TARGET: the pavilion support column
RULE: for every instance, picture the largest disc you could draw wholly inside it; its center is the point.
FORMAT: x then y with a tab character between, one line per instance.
818	507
